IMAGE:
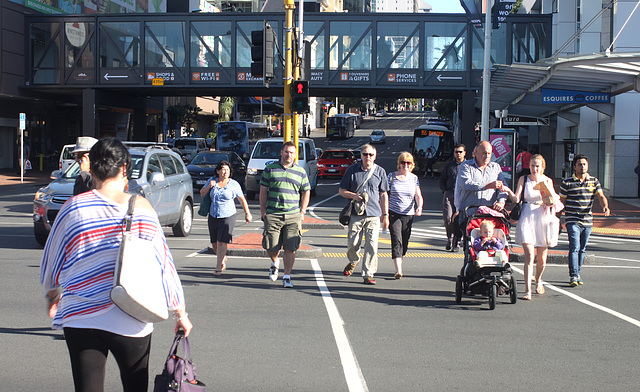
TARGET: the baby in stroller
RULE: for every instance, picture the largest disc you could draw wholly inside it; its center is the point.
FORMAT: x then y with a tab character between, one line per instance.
489	248
486	269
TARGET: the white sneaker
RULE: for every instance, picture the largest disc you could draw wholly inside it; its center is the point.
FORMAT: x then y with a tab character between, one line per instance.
273	273
286	283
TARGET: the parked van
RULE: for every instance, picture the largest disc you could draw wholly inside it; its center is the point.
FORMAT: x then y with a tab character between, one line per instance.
66	157
190	147
268	150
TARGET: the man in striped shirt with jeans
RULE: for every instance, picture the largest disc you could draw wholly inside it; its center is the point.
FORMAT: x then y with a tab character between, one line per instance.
284	197
577	193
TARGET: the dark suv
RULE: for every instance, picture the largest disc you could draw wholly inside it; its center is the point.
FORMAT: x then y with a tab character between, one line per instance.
158	174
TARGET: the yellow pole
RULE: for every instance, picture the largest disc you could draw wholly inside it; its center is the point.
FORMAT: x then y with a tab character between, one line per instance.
296	117
289	7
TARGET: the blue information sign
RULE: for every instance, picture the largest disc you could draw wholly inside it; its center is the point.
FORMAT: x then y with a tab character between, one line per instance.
552	97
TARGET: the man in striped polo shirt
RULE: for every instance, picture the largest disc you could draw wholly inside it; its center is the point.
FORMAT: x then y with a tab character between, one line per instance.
577	194
284	196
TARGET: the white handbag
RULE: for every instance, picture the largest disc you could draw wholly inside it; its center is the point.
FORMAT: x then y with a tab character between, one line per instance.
138	288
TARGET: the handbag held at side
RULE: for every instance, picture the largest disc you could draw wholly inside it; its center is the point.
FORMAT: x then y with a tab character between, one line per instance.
205	205
138	288
179	373
517	209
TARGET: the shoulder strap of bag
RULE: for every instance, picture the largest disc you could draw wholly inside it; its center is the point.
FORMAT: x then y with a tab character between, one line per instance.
126	222
361	187
524	183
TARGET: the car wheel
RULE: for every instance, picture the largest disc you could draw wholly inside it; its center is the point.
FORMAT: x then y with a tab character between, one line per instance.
41	236
183	227
251	195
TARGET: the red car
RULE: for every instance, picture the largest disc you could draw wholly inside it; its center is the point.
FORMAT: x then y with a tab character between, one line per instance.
335	162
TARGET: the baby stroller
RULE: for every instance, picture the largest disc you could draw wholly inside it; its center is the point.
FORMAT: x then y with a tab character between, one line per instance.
489	272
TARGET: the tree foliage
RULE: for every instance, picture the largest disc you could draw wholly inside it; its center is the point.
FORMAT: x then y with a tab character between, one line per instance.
182	114
445	108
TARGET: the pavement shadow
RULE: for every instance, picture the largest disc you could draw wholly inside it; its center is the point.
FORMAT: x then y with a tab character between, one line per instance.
38	331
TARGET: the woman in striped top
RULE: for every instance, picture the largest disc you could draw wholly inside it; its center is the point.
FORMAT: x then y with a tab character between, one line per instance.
405	201
77	273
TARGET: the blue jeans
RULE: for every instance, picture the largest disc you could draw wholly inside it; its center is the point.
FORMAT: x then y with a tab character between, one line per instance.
578	238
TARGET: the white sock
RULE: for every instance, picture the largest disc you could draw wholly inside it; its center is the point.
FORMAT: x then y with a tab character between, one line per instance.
286	277
276	263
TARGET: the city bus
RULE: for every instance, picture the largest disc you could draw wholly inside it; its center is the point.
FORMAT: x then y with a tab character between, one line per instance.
439	138
240	136
341	126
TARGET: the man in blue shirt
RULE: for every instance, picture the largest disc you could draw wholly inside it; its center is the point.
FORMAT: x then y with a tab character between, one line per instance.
479	183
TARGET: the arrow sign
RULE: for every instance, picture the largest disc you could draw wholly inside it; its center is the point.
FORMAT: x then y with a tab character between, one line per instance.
441	78
107	76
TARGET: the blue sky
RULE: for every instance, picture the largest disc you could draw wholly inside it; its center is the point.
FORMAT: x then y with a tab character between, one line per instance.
446	6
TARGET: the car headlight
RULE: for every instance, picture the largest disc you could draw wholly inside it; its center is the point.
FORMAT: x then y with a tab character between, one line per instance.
320	165
42	195
251	170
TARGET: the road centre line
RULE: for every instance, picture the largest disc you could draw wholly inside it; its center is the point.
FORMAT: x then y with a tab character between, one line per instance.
587	302
351	368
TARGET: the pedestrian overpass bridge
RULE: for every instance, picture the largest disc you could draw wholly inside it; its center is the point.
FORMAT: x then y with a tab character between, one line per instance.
368	55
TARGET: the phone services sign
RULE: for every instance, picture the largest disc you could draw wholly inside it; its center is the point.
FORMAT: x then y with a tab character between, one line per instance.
554	97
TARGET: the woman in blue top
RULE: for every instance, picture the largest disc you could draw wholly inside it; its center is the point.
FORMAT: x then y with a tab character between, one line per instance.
405	201
222	214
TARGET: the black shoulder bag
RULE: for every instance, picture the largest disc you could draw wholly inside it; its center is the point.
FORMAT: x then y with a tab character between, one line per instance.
517	210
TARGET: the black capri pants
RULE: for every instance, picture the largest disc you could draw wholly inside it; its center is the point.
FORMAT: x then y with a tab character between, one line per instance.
400	230
88	350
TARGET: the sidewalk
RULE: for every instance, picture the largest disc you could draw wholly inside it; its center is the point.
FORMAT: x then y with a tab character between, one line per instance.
10	177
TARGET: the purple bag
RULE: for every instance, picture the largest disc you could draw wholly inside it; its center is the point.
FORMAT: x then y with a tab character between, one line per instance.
179	374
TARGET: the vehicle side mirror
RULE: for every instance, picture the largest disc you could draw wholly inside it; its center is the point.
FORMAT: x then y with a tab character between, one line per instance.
56	174
312	157
156	177
410	144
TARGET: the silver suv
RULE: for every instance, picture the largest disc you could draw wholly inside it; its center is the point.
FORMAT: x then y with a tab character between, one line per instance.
158	174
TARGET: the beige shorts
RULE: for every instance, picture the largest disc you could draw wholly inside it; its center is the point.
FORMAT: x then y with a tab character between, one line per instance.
282	231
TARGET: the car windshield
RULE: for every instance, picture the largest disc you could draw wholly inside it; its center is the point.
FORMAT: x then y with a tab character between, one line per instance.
271	150
209	159
377	133
67	154
72	171
185	144
336	155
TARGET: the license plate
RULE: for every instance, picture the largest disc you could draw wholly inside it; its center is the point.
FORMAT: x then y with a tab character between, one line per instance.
200	182
332	170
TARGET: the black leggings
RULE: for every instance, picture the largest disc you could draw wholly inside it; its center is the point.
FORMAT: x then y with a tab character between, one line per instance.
400	230
88	349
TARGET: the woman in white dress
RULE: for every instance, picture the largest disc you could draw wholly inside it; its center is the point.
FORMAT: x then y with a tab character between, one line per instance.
533	231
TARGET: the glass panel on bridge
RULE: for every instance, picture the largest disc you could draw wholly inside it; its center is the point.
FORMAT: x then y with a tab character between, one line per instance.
165	44
314	33
211	44
120	45
45	41
398	45
350	46
445	46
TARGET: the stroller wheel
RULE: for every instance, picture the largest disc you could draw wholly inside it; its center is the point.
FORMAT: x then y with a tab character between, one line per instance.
493	293
459	289
513	291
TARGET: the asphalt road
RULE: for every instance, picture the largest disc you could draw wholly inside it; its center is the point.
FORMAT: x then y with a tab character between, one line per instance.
332	333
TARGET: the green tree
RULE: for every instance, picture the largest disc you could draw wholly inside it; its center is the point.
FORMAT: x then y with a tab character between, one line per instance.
226	108
445	108
181	114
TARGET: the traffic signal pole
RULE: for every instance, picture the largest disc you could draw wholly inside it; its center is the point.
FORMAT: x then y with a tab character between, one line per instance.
289	7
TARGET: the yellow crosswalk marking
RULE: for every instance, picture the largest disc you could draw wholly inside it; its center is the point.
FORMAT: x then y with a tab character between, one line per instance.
442	255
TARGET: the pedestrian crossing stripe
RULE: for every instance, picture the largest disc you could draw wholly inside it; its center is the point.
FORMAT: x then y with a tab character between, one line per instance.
444	255
386	241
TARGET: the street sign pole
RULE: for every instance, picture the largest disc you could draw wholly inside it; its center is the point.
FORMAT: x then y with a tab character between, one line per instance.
486	72
23	125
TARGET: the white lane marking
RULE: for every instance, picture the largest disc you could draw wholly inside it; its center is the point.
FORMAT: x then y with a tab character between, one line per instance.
617	258
587	302
352	372
311	209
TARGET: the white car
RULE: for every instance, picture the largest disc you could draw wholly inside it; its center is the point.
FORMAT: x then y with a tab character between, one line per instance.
381	113
378	137
67	158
